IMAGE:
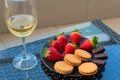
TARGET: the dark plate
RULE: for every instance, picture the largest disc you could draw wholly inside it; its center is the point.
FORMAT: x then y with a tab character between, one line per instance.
50	65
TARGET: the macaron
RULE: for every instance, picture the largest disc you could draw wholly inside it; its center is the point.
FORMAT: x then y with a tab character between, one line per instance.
72	60
63	68
88	69
82	54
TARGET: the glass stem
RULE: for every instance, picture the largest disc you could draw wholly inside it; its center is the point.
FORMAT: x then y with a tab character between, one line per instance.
24	48
24	57
26	75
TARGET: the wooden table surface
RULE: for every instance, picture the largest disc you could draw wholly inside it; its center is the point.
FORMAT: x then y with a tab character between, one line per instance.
113	23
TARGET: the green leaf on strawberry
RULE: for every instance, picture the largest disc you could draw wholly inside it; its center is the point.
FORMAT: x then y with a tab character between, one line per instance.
76	30
45	52
95	41
50	41
62	33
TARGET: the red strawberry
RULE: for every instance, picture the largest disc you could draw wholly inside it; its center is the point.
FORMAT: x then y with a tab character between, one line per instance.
52	54
63	39
89	44
56	44
75	36
69	48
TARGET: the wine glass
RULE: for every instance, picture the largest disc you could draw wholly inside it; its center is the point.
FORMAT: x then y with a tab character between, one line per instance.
21	20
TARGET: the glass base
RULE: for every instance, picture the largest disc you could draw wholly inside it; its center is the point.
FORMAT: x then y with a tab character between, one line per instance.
24	63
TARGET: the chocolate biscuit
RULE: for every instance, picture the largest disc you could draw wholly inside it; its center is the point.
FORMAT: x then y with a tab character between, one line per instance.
99	62
100	49
101	56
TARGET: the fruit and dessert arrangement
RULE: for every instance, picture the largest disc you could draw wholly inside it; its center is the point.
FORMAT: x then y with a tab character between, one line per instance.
69	53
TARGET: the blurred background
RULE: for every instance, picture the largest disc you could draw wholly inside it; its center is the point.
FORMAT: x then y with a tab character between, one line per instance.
62	12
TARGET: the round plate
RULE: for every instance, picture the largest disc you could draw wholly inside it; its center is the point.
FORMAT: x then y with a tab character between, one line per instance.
50	65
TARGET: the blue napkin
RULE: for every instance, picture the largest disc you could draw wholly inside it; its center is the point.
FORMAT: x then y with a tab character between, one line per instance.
112	67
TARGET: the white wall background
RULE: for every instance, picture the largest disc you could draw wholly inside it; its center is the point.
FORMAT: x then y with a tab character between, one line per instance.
59	12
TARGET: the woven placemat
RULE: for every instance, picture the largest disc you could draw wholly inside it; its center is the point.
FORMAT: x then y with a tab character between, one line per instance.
115	37
40	72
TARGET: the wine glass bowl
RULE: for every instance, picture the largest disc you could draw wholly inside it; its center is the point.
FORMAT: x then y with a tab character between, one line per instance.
21	20
21	17
21	25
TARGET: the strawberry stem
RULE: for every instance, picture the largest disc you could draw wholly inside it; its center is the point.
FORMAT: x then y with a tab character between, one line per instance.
45	52
62	33
50	41
95	41
76	30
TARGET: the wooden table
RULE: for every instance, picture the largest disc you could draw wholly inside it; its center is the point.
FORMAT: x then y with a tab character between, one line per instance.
113	23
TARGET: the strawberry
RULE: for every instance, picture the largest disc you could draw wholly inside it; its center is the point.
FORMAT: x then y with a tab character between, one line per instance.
52	54
69	48
75	36
56	44
89	44
63	39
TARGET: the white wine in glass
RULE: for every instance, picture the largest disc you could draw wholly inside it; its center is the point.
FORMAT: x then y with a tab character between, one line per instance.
21	25
21	19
